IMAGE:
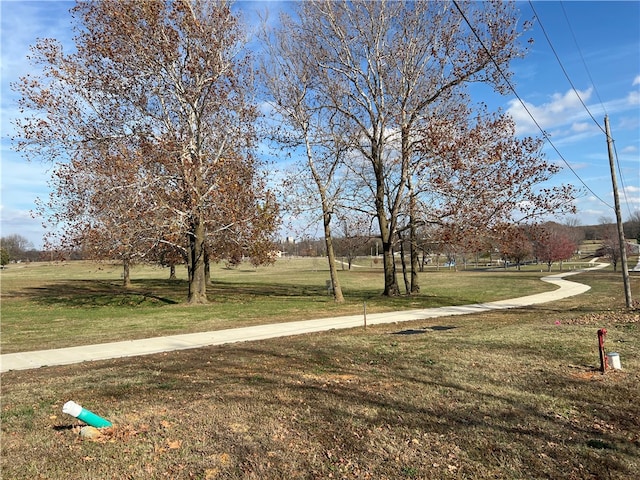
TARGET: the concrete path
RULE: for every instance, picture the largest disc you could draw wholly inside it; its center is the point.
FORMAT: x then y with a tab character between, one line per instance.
147	346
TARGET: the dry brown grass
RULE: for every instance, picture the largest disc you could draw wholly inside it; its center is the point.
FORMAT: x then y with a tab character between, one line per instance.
510	394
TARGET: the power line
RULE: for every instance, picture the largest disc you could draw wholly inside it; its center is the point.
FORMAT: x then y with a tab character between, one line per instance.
511	87
624	189
584	63
575	90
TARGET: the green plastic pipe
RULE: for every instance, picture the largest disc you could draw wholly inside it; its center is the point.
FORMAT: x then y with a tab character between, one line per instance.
90	418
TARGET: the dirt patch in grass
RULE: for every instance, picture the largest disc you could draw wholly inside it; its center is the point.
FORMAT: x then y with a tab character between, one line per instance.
625	317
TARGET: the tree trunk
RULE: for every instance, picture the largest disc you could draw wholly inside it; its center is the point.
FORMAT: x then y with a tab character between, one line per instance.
333	271
207	267
172	272
391	288
413	241
407	284
415	268
197	276
126	274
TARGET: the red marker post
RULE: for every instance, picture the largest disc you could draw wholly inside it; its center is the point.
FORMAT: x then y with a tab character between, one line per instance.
603	357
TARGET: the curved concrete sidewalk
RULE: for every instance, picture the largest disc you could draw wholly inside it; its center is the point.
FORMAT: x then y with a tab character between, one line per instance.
147	346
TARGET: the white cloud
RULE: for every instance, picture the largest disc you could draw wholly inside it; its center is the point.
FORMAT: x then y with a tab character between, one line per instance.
630	149
580	127
634	96
562	109
631	196
21	222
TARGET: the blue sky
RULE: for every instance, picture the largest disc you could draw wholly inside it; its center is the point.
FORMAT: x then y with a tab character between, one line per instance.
598	44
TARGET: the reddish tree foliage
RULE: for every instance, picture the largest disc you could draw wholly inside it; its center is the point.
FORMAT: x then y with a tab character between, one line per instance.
477	174
515	244
553	243
476	180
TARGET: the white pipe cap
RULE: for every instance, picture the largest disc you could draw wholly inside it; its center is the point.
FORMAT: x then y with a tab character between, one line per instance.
71	408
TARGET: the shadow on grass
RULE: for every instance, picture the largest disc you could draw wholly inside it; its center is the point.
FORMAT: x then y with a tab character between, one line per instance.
94	293
161	292
219	287
147	292
62	428
373	296
435	328
158	293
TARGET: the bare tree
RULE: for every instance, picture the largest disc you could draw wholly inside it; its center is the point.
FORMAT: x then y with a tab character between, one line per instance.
309	124
166	80
632	226
610	246
15	246
355	233
381	65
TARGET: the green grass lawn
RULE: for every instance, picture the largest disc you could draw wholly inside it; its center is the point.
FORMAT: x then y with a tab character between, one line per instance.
74	303
505	394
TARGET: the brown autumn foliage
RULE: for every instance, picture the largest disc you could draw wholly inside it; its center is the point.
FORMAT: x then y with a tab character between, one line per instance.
515	244
150	124
477	173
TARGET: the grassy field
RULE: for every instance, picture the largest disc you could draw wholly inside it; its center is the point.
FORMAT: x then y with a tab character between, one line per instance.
75	303
508	394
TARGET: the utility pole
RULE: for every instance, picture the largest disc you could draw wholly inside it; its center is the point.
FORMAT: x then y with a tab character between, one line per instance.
623	246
